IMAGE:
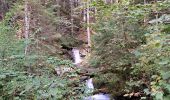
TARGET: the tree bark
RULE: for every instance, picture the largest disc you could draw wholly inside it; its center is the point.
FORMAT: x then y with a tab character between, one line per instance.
144	20
116	1
27	25
71	15
88	28
58	13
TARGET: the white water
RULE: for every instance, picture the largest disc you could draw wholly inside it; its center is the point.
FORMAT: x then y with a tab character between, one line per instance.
89	82
100	96
89	86
77	58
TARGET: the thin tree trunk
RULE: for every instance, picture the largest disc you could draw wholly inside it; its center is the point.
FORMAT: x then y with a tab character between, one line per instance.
72	20
95	12
105	1
116	1
84	12
156	16
111	1
58	8
27	25
144	20
88	28
58	13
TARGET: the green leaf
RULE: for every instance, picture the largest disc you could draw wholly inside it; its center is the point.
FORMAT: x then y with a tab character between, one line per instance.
164	62
167	87
159	96
166	75
53	91
2	76
147	91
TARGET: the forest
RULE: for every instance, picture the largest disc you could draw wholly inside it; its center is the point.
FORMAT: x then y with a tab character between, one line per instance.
84	49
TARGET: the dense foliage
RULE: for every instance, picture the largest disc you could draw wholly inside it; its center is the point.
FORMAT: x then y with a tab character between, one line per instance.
33	76
132	42
130	47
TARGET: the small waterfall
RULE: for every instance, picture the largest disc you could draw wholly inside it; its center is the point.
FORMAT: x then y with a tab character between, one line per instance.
89	86
100	96
89	82
76	54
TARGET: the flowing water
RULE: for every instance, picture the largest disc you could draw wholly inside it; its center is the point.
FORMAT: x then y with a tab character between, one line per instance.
89	82
76	55
100	96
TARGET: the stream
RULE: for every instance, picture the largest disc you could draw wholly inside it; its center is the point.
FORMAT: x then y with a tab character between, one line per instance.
89	82
76	56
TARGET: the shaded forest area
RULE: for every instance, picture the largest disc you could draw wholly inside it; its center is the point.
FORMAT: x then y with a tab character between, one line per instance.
123	46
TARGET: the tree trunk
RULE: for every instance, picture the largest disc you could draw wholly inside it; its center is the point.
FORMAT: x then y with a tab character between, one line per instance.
58	13
27	25
58	8
116	1
88	28
71	15
84	12
144	20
